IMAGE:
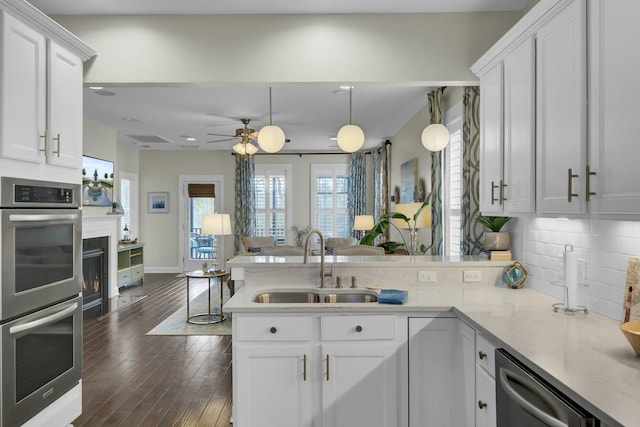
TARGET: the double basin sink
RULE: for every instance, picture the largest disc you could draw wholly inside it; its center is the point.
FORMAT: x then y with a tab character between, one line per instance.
315	296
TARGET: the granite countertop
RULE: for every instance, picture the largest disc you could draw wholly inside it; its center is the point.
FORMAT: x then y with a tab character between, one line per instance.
364	260
585	356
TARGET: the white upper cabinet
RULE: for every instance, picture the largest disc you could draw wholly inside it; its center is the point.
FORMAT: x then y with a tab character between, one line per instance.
41	102
23	89
561	106
491	137
614	108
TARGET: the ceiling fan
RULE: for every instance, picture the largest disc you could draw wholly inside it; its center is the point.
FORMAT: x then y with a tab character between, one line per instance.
247	136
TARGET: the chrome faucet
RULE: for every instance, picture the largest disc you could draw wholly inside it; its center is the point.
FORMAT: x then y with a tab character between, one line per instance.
306	254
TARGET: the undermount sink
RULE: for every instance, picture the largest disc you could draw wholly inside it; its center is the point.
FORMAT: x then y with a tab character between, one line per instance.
288	296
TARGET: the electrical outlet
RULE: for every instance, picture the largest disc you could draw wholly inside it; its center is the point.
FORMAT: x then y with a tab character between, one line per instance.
426	276
472	276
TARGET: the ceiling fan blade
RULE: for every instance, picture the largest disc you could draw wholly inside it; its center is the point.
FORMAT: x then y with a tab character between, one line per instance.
220	140
221	134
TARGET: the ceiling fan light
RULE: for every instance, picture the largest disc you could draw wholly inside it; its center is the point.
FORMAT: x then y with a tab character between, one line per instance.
350	138
239	148
271	138
250	149
435	137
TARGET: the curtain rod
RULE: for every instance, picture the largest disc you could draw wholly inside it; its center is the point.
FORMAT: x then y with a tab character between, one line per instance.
306	153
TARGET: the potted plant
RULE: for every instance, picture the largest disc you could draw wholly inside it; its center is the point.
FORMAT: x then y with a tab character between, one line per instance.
384	223
495	239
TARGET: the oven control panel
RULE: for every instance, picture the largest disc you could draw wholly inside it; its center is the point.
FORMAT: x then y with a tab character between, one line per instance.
38	194
30	193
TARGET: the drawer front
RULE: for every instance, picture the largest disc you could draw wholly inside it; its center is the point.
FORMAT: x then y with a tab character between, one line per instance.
124	276
342	328
485	399
137	272
272	328
485	354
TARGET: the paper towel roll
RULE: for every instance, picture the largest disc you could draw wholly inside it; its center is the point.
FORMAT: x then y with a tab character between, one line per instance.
571	278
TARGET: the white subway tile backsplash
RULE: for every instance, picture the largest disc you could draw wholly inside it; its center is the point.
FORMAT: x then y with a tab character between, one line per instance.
604	245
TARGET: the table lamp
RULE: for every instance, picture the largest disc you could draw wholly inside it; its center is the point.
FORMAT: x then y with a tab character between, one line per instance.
363	223
423	220
216	225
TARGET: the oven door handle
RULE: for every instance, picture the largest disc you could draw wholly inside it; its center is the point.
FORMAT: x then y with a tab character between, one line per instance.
505	378
41	217
43	321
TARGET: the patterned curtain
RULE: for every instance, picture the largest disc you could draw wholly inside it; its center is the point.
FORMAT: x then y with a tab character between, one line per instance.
357	201
381	160
471	243
435	109
245	199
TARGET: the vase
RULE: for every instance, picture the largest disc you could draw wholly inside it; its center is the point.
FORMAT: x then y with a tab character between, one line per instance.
496	240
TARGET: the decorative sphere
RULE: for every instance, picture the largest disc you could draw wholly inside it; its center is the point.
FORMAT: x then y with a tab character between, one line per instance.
271	138
350	138
515	275
435	137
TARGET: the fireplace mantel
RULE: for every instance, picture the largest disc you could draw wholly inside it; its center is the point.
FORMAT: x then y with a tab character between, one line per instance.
105	226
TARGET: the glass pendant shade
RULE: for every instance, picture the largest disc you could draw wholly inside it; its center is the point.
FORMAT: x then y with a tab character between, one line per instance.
435	137
271	138
350	138
245	148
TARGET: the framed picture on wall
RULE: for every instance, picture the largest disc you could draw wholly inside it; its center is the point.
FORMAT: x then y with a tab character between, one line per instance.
408	181
158	202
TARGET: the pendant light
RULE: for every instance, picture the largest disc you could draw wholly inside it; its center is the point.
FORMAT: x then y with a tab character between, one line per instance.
350	137
271	138
435	136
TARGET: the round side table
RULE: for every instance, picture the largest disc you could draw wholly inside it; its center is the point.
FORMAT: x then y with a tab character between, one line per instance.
209	317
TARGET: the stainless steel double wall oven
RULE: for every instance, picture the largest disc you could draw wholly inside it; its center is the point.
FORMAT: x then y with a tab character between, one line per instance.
40	295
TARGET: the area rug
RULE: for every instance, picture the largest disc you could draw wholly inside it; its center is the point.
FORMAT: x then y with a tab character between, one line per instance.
176	323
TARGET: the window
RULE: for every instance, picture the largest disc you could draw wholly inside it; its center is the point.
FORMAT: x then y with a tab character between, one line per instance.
452	185
330	187
272	188
129	203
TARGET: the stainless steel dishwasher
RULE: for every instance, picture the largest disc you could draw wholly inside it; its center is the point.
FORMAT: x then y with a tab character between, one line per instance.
524	399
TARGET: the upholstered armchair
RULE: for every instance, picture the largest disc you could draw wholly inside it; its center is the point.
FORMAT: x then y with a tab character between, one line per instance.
338	242
255	245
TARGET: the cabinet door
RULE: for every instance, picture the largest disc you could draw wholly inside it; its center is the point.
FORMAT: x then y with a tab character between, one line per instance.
561	111
359	384
23	86
485	399
272	385
491	140
519	129
64	108
440	361
613	107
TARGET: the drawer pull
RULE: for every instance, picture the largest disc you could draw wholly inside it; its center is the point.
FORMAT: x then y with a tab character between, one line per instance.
358	328
304	367
327	367
482	355
273	330
481	404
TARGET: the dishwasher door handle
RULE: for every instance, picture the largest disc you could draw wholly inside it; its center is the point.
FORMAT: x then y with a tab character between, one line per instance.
505	378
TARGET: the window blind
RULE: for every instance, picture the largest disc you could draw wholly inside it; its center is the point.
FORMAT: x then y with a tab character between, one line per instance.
201	190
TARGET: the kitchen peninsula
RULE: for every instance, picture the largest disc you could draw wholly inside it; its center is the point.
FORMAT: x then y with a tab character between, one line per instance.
584	356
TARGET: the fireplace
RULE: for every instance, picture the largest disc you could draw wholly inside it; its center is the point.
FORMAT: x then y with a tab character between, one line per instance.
95	276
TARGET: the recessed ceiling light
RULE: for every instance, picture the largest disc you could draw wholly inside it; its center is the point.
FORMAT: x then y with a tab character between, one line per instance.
96	87
346	87
130	119
190	138
333	138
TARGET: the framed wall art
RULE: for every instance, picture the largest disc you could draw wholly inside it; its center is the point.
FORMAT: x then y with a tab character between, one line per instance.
158	202
408	181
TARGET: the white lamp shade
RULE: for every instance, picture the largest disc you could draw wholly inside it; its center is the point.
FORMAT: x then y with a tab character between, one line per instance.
216	224
409	210
271	138
363	222
350	138
435	137
245	148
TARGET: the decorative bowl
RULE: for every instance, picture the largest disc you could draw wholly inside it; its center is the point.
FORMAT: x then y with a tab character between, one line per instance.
631	330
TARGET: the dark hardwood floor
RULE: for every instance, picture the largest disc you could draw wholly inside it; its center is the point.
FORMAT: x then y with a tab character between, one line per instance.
132	379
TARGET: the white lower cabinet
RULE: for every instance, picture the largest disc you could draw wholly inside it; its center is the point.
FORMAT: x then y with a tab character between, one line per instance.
441	372
320	371
485	382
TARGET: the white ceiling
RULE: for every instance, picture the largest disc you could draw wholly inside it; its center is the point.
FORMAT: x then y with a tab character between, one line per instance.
309	115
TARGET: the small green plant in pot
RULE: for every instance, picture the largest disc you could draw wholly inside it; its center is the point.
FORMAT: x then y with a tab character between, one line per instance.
495	239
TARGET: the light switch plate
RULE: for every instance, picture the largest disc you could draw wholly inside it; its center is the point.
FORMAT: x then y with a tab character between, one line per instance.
426	276
472	276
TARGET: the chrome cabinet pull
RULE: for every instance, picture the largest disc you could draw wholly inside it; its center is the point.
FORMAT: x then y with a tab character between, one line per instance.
304	367
482	404
327	367
45	137
589	174
273	330
502	186
493	187
482	355
570	193
57	139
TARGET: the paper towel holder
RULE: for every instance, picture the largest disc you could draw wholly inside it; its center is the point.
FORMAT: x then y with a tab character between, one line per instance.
560	305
